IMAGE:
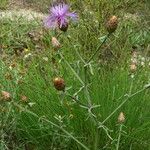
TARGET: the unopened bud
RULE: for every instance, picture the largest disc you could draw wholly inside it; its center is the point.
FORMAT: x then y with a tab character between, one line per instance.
121	117
55	43
59	83
6	96
64	28
112	24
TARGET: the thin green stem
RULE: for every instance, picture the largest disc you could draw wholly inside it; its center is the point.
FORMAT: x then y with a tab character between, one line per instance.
119	137
85	87
96	139
87	94
98	48
77	101
130	96
80	57
74	72
52	123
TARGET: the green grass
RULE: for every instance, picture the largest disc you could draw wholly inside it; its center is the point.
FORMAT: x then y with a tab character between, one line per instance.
52	120
4	4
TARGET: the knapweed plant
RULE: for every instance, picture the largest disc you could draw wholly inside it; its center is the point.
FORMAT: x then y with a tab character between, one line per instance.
73	100
59	18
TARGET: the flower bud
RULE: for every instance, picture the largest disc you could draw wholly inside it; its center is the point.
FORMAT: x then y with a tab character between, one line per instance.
64	27
112	24
55	43
121	117
59	83
6	96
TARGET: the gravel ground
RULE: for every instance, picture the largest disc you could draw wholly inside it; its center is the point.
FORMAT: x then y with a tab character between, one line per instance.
26	14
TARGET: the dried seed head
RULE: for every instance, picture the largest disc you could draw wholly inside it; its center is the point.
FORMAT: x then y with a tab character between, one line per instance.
6	96
121	117
134	54
24	98
55	43
112	24
59	83
133	67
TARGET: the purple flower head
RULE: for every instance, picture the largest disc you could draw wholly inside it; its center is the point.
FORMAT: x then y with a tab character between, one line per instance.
59	17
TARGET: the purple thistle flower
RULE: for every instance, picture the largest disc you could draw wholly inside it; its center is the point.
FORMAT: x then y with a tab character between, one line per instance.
59	17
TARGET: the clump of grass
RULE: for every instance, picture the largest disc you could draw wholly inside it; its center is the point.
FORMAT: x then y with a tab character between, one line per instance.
4	4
